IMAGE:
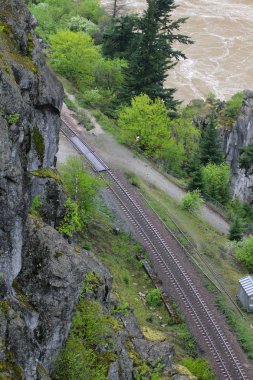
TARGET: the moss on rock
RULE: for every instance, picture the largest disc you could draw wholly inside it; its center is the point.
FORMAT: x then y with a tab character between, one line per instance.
47	173
39	143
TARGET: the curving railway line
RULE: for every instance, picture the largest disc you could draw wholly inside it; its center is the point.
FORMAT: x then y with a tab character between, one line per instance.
177	274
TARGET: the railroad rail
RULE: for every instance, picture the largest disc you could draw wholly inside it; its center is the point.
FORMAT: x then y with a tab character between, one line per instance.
172	269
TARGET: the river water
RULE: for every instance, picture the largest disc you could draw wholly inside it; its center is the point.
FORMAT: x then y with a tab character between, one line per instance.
221	59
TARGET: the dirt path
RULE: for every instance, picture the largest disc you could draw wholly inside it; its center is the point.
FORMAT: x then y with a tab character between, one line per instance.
119	157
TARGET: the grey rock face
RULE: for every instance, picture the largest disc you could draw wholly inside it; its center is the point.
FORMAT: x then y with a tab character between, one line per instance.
30	102
241	135
51	277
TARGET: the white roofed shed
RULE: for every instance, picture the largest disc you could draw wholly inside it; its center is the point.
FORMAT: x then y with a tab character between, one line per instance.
245	293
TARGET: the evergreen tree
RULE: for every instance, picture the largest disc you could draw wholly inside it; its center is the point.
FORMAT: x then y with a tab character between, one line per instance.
235	230
119	36
152	53
210	145
246	159
147	44
195	173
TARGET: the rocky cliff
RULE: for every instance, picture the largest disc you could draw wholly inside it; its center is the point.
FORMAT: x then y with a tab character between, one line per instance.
239	136
40	273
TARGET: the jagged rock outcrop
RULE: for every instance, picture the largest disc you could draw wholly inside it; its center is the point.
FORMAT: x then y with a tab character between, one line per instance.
40	273
239	136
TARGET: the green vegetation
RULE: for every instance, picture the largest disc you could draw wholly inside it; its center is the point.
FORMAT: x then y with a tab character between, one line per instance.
244	252
153	297
148	49
47	173
192	201
35	205
215	179
246	159
199	368
13	118
39	143
81	187
210	146
71	221
80	359
234	105
168	141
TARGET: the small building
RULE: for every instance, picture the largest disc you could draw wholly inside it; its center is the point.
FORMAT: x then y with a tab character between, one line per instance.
245	293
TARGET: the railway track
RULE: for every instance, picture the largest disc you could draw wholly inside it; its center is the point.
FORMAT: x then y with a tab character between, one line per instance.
172	269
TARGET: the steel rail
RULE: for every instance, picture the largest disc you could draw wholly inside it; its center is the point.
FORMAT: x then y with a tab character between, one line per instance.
137	210
184	275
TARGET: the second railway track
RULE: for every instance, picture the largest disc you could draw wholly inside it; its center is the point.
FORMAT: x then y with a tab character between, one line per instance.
226	357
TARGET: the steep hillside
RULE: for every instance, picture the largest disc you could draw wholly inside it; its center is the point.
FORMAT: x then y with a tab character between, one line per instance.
40	272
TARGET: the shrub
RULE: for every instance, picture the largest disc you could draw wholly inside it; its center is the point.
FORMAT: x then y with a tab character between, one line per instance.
244	252
154	297
192	201
13	118
199	367
233	106
35	205
216	181
71	221
80	186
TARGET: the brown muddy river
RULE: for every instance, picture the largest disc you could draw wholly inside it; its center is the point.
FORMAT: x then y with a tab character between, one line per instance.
221	59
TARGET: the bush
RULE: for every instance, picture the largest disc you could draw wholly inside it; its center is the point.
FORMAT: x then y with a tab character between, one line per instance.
35	205
71	221
80	186
215	180
192	201
244	252
199	368
79	359
154	297
233	106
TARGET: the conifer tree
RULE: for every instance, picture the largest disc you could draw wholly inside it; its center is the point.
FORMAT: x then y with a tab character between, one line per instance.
210	146
152	53
194	168
235	230
146	42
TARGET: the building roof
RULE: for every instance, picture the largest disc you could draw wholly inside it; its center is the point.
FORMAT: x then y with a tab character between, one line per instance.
247	284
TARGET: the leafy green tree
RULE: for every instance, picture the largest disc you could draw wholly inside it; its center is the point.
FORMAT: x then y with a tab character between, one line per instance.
151	54
81	24
80	186
149	121
51	15
216	181
74	56
246	159
210	146
244	252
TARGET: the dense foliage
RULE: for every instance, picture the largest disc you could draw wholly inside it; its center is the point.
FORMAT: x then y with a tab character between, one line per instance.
192	201
82	188
244	252
148	46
